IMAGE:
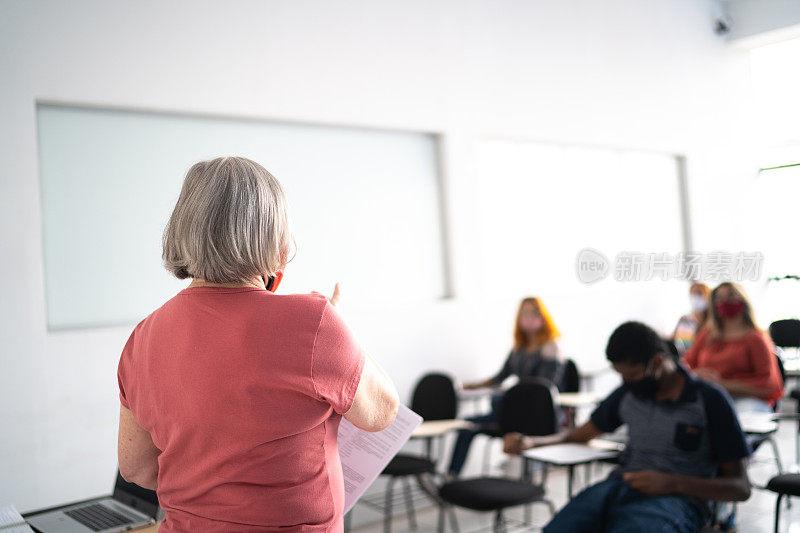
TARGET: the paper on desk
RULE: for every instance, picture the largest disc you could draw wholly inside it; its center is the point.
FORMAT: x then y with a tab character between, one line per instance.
11	521
364	455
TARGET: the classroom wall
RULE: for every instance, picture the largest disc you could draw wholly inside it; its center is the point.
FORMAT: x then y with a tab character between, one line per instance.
644	74
762	19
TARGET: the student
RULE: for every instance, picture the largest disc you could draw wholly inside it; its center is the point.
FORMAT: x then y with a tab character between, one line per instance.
534	354
685	445
735	354
688	325
232	395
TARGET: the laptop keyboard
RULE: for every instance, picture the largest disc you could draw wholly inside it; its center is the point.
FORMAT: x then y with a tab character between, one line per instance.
98	517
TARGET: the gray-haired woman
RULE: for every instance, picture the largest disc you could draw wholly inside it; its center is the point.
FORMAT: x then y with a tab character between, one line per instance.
231	395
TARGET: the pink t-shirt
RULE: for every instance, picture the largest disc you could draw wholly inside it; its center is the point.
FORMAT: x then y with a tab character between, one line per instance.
242	390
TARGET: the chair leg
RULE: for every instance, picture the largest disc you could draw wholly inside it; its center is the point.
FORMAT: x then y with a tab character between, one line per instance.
412	519
499	522
774	445
778	511
453	521
487	451
551	506
387	510
778	463
440	523
797	438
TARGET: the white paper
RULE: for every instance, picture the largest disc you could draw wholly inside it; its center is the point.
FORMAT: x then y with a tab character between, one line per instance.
11	521
364	455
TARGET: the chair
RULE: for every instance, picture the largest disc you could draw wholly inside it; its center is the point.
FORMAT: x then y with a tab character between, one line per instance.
522	422
786	334
571	380
434	398
783	485
758	438
528	408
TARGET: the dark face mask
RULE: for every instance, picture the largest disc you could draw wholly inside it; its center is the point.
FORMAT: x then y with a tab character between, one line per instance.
644	388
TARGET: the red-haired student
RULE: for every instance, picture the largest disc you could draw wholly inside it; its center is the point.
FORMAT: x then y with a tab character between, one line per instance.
534	354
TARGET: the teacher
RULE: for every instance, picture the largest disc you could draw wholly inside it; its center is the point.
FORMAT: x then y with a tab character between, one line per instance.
231	395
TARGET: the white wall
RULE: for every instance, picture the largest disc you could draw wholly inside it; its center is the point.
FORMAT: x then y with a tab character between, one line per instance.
646	74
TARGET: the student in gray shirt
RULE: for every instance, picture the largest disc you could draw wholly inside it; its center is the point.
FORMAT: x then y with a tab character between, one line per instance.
535	354
685	448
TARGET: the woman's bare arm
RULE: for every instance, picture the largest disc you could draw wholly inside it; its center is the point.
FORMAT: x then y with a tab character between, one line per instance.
136	453
376	402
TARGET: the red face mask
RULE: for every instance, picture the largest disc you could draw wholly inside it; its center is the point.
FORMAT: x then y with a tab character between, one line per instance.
729	309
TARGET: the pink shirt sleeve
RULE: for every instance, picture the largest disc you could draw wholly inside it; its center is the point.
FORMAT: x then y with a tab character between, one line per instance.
336	362
122	370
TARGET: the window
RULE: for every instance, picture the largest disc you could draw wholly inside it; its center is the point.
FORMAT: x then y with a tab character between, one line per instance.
775	197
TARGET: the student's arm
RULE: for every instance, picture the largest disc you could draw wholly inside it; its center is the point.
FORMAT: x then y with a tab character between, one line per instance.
136	453
604	419
376	402
480	384
515	443
764	379
740	388
551	367
731	485
494	381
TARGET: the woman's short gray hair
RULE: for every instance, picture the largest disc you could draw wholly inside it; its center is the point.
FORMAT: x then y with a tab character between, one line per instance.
230	223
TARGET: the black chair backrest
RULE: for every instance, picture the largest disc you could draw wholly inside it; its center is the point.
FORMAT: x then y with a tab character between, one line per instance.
785	333
781	369
529	408
434	397
571	381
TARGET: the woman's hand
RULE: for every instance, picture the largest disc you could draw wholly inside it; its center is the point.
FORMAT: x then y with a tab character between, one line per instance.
337	294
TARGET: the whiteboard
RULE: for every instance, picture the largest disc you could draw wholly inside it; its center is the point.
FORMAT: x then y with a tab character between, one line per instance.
365	206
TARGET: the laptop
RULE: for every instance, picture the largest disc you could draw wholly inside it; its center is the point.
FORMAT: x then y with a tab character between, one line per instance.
129	507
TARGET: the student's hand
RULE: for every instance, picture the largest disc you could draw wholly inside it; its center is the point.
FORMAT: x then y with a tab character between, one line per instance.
651	482
512	443
516	443
337	294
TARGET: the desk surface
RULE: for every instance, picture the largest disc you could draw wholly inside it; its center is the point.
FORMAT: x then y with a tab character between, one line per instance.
475	394
577	399
569	454
758	423
565	399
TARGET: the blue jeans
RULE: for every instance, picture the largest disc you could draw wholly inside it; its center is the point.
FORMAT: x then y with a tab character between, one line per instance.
486	424
613	506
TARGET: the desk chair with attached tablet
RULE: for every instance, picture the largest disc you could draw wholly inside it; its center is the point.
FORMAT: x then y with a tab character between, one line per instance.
129	507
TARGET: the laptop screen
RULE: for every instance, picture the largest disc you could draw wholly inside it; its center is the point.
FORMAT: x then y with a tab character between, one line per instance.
141	499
